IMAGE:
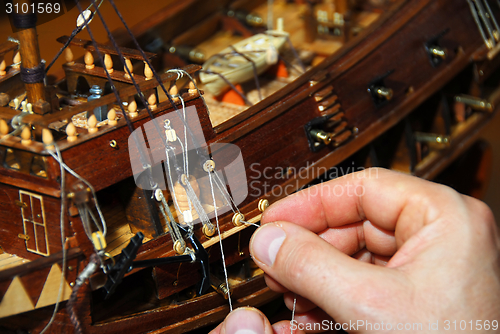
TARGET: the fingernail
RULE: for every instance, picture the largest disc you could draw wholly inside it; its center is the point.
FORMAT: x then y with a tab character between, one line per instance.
267	242
244	321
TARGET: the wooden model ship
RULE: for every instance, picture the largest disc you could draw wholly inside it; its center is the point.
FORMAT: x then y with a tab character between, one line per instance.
117	195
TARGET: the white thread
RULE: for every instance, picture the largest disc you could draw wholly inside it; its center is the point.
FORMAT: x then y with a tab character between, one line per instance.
185	147
220	243
196	203
194	82
248	223
185	135
223	189
72	172
184	157
228	202
176	204
180	73
293	311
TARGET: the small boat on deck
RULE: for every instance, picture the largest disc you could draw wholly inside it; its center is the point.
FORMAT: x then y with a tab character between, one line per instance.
240	62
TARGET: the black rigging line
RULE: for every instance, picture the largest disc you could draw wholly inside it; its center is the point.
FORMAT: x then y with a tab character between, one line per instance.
178	168
101	59
156	75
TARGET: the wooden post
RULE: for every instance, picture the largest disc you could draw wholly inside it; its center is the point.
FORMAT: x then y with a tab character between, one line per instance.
92	124
148	73
112	117
26	135
4	128
71	132
108	62
3	66
192	87
68	56
48	139
15	60
128	64
132	107
174	92
152	101
89	60
30	58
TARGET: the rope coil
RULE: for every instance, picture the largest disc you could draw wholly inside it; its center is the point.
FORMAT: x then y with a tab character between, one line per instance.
34	74
24	21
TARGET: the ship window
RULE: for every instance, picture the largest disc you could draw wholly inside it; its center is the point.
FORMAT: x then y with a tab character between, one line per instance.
11	161
38	166
2	154
24	162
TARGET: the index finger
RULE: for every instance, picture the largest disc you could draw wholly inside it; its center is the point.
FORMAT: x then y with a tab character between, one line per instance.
389	200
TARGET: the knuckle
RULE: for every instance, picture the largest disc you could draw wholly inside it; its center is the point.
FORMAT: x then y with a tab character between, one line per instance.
483	214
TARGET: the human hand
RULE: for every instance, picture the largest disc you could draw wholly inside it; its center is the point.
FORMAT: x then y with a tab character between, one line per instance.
395	250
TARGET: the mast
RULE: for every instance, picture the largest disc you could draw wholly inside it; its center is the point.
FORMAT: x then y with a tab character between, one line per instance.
32	68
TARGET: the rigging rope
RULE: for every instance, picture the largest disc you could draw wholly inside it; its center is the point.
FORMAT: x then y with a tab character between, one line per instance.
220	243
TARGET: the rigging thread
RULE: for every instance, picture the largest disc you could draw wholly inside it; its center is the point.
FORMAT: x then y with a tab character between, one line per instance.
92	190
220	243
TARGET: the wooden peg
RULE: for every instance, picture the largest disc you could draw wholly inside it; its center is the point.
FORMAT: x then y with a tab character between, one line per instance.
128	64
89	60
23	106
16	103
147	71
152	101
174	92
48	139
132	107
112	117
26	135
68	56
280	24
71	132
4	128
92	124
192	87
16	61
29	106
108	62
3	66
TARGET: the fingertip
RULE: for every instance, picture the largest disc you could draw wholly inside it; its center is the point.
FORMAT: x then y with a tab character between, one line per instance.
246	320
284	327
266	242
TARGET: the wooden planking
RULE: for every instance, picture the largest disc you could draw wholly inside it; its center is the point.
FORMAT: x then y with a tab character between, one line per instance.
7	113
76	70
8	261
7	46
86	44
39	263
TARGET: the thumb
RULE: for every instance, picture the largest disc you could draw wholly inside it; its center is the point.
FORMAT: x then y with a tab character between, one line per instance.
345	288
244	320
